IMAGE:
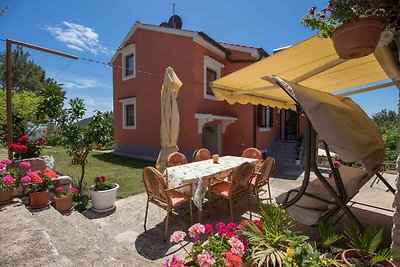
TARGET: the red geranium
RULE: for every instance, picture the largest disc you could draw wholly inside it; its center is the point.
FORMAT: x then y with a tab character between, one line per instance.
13	147
23	140
232	260
101	179
41	140
22	149
50	174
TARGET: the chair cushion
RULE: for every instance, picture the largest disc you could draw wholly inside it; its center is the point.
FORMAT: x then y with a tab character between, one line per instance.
178	197
221	189
353	180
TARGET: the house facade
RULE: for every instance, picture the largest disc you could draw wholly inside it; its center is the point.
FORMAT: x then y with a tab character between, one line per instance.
138	69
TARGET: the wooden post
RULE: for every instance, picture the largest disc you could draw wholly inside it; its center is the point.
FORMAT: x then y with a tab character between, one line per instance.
8	97
9	81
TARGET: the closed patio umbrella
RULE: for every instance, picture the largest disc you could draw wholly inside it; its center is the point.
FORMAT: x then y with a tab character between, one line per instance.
169	130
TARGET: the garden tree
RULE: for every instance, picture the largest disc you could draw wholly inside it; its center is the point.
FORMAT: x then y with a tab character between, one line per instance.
44	102
386	122
24	109
79	140
26	74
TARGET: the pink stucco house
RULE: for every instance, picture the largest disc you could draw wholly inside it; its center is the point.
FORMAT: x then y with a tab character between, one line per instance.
139	66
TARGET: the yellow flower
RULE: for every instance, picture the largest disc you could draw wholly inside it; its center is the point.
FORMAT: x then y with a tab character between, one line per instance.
289	251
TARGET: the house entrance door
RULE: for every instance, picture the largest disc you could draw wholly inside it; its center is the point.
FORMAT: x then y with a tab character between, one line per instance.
289	125
212	137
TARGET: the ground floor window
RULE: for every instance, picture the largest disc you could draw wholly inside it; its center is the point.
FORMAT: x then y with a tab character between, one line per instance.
128	113
264	117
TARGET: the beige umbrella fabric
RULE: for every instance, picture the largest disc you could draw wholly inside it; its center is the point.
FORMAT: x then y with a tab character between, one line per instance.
169	130
341	123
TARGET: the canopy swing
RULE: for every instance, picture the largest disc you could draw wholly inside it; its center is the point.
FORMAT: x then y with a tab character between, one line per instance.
349	131
313	63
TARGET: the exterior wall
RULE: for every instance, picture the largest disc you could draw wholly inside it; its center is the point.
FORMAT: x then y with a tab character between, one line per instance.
154	52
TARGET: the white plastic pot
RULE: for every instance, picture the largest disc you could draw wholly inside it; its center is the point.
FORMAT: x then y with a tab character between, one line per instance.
103	201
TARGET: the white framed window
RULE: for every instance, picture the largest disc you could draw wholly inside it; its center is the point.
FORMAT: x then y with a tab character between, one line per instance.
129	113
212	71
129	62
264	118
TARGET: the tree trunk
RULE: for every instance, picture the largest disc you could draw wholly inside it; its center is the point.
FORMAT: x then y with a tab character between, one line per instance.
81	179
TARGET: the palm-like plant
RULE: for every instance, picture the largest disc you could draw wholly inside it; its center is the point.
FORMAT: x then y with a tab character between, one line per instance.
327	232
366	245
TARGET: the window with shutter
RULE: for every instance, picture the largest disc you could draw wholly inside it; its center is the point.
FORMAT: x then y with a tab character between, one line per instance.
264	117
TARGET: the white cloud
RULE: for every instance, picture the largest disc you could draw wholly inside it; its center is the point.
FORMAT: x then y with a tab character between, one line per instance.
78	37
71	82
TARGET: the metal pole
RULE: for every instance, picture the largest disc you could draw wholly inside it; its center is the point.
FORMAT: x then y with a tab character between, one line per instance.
8	97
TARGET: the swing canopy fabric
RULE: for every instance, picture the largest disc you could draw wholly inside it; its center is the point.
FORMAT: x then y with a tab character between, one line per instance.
341	123
312	63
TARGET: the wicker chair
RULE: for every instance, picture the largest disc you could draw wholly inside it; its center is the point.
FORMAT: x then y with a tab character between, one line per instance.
253	153
234	187
159	194
175	159
201	154
261	178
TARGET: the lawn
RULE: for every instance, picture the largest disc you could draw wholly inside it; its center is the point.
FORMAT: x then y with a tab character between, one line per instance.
125	171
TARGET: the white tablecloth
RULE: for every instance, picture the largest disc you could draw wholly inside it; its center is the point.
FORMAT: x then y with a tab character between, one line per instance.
199	172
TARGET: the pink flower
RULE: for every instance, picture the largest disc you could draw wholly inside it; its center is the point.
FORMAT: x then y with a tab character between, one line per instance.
231	226
208	228
25	165
237	246
177	236
196	238
205	259
31	174
59	189
220	225
174	262
2	166
73	190
6	161
196	229
26	179
8	180
312	10
224	231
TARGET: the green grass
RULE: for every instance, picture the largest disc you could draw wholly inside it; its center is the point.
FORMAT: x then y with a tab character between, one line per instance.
125	171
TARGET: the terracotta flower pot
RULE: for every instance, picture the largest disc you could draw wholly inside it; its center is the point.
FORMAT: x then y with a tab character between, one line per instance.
6	196
352	253
39	200
63	205
357	39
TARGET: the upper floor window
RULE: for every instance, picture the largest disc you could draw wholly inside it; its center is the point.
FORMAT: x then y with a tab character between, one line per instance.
264	117
128	62
212	71
128	113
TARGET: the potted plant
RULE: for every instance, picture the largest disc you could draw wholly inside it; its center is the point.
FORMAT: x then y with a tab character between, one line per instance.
38	184
354	26
27	148
223	246
364	248
103	194
63	199
265	242
10	179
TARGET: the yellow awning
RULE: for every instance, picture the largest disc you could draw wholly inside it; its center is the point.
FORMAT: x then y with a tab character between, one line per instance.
312	63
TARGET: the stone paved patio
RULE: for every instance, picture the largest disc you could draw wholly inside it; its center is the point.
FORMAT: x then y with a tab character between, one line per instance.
125	224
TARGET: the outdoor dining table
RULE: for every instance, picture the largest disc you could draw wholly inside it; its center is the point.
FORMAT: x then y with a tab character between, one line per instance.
199	173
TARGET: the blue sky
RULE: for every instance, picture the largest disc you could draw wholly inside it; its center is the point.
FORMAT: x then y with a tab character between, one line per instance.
94	29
